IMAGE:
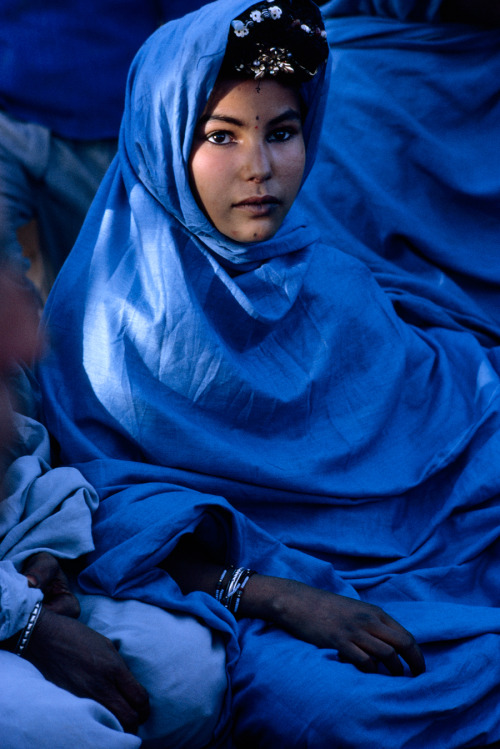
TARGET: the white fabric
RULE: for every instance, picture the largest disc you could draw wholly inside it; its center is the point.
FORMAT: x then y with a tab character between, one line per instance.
36	714
179	662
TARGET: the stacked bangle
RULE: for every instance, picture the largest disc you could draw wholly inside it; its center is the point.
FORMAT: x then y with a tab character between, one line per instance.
28	630
231	586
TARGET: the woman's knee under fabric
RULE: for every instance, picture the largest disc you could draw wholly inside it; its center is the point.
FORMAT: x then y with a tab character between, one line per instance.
180	662
36	713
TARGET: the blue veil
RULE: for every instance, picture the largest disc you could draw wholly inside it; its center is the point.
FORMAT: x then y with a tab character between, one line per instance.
270	398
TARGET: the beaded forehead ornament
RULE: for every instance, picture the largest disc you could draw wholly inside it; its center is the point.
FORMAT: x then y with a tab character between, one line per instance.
284	38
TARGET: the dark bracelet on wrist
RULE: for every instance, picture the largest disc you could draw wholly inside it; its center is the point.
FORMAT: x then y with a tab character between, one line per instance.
25	636
231	585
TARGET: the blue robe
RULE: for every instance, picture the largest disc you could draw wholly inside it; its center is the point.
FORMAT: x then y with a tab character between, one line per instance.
408	172
271	398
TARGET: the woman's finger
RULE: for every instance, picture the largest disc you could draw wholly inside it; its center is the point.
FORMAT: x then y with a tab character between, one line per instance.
41	569
351	653
135	695
381	651
403	642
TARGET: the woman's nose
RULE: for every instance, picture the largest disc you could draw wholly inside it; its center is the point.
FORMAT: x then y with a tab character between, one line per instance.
257	165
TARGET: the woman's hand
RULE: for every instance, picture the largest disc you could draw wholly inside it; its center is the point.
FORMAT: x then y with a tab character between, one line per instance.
75	657
82	661
44	571
362	634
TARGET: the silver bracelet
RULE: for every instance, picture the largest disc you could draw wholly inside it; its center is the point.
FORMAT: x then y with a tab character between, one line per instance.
28	630
230	593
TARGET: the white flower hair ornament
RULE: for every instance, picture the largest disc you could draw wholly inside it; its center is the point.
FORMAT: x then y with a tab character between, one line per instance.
276	39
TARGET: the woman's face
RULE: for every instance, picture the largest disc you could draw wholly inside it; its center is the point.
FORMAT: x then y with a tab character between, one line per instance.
248	158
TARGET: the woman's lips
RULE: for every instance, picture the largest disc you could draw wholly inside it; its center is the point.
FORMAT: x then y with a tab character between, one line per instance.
258	205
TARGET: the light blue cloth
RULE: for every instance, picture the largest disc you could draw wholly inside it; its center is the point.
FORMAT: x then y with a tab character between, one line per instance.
408	172
46	509
179	662
41	510
285	412
36	713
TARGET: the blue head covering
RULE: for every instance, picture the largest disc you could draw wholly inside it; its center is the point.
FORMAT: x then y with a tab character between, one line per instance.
169	84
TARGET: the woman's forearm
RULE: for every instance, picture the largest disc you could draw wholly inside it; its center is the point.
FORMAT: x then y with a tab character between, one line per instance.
192	570
362	634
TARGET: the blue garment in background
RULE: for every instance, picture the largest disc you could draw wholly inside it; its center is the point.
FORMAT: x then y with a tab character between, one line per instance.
404	10
269	397
408	172
64	65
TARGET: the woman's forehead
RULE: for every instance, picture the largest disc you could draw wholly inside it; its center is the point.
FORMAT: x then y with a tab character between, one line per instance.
252	95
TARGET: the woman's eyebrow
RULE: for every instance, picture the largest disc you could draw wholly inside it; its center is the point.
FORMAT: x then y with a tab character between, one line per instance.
219	118
288	114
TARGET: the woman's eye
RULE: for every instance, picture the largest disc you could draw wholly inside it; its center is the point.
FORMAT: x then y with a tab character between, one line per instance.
220	138
284	133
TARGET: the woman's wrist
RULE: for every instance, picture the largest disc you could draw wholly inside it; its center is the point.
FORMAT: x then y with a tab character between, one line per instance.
252	595
26	633
19	642
267	598
231	586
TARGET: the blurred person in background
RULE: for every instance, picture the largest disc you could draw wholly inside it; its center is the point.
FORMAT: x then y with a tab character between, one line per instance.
63	71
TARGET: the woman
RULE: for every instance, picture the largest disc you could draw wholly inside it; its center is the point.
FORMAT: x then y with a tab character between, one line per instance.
243	395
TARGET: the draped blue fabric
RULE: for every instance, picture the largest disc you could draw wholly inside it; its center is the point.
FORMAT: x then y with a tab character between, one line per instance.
408	173
270	398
